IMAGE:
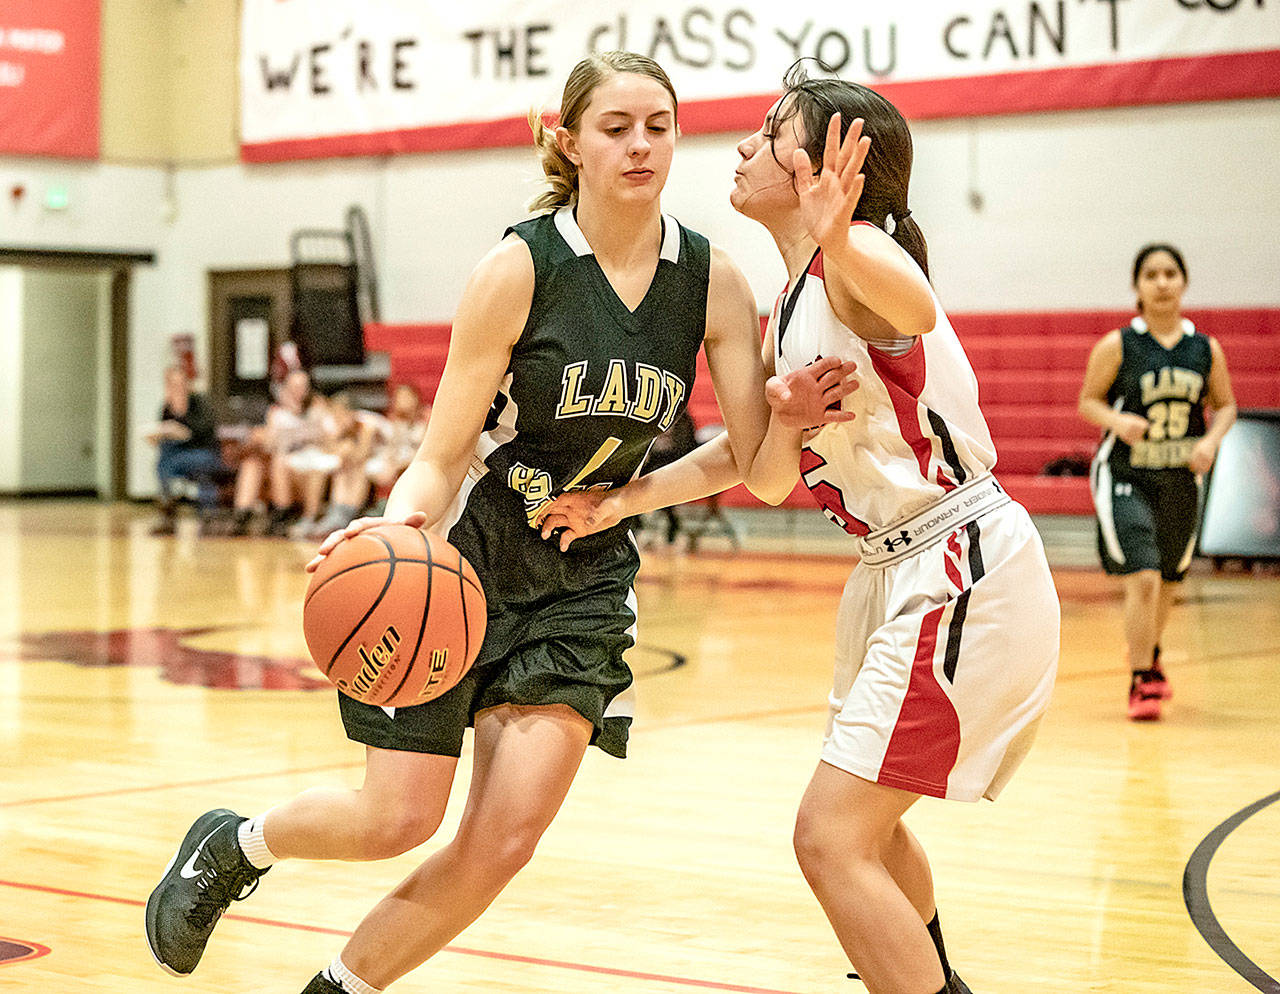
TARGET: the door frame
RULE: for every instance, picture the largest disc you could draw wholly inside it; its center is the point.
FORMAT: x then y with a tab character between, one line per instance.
222	285
120	267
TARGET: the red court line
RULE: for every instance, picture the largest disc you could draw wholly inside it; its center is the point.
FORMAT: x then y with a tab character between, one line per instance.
607	971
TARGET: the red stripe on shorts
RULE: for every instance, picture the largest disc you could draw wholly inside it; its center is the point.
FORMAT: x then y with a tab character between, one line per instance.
926	739
952	559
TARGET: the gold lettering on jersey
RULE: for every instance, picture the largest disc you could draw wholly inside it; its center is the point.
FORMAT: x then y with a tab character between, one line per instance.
613	395
673	388
648	400
653	395
572	402
533	484
1165	454
1170	383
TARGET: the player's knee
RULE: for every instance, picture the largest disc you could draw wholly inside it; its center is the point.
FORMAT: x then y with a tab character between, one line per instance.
394	832
514	851
812	842
1148	582
502	853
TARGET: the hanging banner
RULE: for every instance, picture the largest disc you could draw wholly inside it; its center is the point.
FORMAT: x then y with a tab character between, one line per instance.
49	78
328	77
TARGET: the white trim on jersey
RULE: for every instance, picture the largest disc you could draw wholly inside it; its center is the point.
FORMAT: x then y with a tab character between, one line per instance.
1185	562
488	443
567	225
1106	513
1139	324
1101	485
624	705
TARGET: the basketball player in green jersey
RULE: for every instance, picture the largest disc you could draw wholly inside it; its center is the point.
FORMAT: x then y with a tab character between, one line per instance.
573	347
1147	386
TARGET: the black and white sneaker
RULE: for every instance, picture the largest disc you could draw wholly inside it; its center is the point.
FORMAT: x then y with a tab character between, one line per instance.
954	985
320	984
206	874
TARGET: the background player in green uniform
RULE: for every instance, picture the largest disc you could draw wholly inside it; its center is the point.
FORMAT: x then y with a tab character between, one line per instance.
1147	385
529	405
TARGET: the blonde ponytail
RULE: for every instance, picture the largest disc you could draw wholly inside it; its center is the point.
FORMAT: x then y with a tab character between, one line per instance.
561	174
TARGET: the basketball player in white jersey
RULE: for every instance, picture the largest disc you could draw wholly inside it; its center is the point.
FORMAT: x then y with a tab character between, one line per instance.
947	633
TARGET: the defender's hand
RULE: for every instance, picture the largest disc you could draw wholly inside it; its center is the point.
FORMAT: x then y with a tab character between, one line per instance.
579	513
811	396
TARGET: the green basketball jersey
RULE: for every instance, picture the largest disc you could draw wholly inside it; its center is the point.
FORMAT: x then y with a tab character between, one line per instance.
590	383
1168	387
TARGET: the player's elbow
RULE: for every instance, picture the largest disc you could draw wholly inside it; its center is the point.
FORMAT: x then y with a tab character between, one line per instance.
920	319
774	488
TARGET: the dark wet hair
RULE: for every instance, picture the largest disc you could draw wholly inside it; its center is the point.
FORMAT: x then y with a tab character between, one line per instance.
815	99
1149	250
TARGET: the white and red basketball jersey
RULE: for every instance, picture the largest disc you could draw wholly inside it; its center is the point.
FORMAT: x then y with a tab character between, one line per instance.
918	432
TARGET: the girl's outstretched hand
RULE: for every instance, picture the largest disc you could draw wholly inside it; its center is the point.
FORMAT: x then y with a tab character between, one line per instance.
829	196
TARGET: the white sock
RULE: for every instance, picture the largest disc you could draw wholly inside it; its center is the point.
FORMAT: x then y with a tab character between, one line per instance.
337	972
252	843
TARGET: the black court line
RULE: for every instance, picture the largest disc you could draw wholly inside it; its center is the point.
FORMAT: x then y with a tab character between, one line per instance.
672	660
1195	892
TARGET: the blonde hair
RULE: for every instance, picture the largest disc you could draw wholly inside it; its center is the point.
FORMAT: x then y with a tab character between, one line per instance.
560	172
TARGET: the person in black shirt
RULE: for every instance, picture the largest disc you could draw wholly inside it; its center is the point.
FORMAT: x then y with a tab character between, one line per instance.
1147	386
188	450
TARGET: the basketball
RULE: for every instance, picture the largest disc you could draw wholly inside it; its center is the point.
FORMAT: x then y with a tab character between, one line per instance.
394	616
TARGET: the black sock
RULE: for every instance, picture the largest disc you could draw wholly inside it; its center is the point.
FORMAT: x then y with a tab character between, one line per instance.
935	933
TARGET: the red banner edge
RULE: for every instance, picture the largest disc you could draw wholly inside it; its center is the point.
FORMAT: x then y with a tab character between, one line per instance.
1195	79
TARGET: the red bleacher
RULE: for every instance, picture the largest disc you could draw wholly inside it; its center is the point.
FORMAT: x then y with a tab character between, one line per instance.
1029	367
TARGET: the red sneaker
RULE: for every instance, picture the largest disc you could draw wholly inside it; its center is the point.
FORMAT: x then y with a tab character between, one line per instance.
1159	682
1144	697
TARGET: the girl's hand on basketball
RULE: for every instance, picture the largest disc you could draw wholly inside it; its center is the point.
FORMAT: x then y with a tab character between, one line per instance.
829	196
415	520
577	513
811	396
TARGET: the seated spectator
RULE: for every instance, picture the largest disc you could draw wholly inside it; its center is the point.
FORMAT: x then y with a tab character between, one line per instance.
293	421
188	450
397	438
335	462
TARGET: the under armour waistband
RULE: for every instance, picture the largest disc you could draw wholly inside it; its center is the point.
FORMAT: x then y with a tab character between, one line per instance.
955	509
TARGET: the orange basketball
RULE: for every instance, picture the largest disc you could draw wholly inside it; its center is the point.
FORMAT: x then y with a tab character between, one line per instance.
394	616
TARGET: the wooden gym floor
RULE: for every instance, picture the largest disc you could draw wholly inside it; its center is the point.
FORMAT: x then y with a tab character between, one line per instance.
149	679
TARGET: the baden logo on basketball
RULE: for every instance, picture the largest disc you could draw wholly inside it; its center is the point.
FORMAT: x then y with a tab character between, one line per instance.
374	660
394	616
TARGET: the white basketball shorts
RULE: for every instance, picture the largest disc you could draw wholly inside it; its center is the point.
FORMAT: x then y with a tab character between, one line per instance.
945	661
